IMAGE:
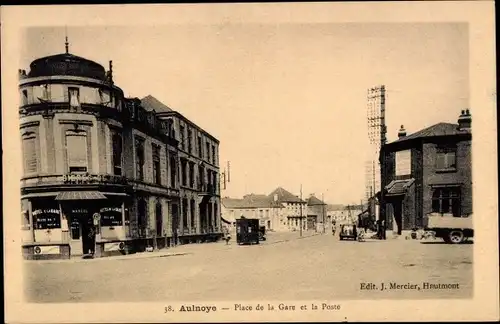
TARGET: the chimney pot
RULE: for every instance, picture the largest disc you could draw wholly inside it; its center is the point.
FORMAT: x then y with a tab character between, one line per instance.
402	132
465	120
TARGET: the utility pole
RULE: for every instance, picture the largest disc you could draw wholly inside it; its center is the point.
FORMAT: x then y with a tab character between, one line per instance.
300	210
323	202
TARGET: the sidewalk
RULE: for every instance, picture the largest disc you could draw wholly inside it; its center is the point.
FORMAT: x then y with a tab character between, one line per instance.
187	249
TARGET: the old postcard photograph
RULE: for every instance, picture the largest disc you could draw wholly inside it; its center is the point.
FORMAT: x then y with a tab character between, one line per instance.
250	162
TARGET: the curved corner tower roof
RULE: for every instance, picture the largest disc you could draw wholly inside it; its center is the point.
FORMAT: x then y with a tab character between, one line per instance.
66	64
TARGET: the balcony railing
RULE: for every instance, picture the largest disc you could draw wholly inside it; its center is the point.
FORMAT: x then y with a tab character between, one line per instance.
93	178
72	178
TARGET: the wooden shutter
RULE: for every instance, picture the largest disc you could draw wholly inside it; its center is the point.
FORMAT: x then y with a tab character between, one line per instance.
76	146
30	155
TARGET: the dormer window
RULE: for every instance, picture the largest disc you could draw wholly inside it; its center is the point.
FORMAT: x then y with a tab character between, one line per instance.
74	97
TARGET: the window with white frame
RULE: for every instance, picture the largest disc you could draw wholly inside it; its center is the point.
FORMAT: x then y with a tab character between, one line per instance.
446	158
74	97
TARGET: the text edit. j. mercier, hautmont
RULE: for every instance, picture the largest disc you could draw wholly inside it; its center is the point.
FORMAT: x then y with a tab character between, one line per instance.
409	286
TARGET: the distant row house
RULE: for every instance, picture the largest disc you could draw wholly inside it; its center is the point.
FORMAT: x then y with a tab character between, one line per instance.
278	211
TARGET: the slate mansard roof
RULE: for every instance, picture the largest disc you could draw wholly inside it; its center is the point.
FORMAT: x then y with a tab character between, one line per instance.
66	64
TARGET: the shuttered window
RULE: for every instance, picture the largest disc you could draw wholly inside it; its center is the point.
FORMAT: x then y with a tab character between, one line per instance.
76	150
30	155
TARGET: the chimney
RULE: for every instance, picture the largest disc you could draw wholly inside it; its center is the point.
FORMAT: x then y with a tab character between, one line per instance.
465	120
402	132
110	72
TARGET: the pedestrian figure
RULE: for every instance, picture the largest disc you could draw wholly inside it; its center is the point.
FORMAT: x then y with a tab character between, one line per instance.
227	236
361	235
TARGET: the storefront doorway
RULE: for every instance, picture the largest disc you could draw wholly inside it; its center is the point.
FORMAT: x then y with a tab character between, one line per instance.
82	230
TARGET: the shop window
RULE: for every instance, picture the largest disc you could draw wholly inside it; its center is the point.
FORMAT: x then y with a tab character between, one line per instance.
446	200
139	159
111	216
74	97
25	216
46	214
446	158
156	163
76	151
159	220
75	228
117	153
30	153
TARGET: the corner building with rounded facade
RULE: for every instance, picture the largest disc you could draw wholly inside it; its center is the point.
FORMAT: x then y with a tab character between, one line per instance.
101	172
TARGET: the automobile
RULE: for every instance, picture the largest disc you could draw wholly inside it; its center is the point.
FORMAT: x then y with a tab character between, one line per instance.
348	231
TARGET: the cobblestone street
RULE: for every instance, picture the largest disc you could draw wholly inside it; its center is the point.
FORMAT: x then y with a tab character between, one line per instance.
284	267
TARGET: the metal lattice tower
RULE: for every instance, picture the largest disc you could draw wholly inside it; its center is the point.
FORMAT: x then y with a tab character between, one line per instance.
376	136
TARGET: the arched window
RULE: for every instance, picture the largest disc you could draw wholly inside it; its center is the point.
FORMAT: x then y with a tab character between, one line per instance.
159	220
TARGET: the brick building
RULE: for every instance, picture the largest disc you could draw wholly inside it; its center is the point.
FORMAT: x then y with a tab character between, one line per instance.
316	213
427	171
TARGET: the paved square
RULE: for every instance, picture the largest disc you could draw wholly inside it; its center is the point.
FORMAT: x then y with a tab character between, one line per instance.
285	267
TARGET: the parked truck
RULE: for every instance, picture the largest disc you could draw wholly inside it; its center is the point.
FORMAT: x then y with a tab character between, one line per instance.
451	229
247	231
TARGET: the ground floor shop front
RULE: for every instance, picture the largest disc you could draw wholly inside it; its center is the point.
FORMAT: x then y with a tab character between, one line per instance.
94	223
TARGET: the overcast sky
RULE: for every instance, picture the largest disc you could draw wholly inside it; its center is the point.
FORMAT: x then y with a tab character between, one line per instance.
286	101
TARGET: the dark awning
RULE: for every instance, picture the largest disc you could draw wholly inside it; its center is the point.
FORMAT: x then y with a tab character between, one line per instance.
225	221
80	195
398	187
